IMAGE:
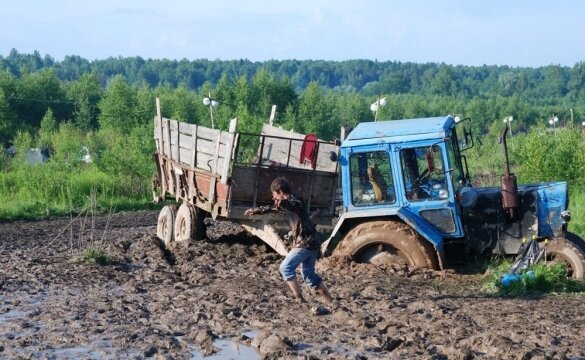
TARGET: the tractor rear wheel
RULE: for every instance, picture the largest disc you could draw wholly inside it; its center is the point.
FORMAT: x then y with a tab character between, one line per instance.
189	223
570	252
388	242
166	223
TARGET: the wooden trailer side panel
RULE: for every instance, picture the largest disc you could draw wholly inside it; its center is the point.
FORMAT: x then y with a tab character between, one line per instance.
195	162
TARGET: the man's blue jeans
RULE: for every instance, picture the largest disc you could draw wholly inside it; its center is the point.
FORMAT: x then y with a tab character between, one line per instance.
305	258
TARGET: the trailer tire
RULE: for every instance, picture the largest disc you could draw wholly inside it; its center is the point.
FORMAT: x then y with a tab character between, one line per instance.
570	252
166	223
189	223
388	242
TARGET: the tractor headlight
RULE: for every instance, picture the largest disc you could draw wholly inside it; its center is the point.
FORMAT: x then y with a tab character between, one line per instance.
443	194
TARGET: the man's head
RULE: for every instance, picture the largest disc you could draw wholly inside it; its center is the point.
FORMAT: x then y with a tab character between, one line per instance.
280	189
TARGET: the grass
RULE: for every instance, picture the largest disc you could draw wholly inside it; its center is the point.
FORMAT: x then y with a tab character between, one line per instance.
51	189
540	279
577	207
94	255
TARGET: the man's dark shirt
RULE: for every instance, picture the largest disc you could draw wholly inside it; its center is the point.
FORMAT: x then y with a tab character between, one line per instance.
302	228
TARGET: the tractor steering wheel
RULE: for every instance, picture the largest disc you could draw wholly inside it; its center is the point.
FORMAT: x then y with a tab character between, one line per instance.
422	178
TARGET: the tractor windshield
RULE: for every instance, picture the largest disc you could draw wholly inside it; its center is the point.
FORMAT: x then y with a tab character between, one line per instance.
371	178
423	171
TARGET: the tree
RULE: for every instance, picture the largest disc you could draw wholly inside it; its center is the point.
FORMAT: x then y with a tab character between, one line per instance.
35	93
6	128
86	94
48	128
118	106
312	110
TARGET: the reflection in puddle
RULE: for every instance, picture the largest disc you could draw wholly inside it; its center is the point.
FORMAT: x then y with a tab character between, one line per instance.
11	315
250	334
227	349
75	353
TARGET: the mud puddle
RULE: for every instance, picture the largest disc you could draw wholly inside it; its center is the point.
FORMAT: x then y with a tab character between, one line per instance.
227	349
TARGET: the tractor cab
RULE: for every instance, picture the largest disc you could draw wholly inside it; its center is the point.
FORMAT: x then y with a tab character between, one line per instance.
404	164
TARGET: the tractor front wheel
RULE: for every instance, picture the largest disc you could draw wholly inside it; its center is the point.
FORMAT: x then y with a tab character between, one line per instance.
570	252
388	242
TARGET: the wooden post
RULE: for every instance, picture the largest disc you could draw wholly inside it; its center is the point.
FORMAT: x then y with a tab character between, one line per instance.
194	152
159	126
214	171
229	151
169	147
178	159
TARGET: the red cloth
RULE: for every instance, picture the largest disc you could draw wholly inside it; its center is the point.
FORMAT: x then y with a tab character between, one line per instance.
309	150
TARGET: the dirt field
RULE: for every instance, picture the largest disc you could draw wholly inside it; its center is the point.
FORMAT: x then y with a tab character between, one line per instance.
196	297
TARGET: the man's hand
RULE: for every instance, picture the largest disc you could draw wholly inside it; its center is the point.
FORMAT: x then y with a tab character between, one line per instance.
249	212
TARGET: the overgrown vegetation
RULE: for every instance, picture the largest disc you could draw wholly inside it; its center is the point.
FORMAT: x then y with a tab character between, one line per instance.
541	278
95	119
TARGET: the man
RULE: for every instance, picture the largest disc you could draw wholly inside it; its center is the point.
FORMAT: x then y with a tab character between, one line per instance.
305	246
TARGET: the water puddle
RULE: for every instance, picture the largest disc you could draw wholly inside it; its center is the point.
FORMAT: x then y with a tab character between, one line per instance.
78	352
227	349
11	310
11	315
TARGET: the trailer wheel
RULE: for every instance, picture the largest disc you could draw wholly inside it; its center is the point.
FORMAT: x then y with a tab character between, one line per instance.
165	223
388	242
189	223
570	252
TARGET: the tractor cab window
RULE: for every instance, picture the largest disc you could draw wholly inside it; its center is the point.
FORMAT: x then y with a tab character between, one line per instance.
371	179
423	171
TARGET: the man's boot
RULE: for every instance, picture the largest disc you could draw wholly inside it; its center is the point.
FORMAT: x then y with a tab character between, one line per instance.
324	292
296	290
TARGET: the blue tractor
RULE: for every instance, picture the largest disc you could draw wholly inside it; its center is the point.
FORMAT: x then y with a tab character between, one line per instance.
407	198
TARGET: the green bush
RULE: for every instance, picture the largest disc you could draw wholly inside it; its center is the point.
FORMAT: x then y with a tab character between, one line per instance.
94	255
542	155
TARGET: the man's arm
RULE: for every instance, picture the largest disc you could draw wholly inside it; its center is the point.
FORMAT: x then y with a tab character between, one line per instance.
261	210
291	203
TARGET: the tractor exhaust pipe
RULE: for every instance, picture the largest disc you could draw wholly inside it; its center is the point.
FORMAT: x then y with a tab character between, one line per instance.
509	185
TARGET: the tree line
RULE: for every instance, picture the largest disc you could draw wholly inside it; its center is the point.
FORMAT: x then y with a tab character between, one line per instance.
311	95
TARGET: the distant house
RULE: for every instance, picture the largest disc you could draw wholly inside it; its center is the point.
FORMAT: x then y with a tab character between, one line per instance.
85	156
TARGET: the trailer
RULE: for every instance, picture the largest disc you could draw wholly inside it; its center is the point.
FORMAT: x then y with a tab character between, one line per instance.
220	174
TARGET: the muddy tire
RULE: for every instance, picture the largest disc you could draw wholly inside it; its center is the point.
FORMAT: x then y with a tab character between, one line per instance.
189	223
388	242
166	223
569	251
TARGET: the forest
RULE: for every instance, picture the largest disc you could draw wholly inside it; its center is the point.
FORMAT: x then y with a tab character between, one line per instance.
103	109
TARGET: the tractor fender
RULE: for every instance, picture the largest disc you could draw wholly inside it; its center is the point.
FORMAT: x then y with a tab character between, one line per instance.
426	230
417	223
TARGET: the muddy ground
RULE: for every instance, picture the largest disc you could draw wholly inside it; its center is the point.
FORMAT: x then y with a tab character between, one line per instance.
176	304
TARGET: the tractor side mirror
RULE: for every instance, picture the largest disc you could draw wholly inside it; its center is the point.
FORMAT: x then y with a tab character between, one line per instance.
464	134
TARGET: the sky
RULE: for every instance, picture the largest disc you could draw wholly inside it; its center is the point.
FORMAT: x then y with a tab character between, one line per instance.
526	33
